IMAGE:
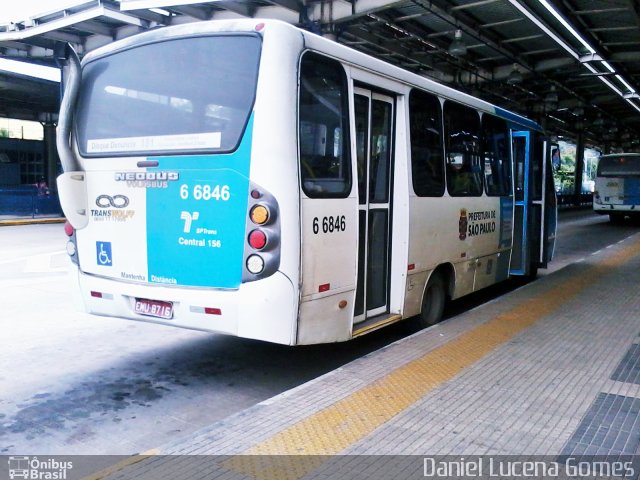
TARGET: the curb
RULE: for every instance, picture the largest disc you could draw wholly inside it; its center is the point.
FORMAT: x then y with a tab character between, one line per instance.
31	221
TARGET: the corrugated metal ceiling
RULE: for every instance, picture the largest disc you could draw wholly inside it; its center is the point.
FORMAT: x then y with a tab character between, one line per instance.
416	34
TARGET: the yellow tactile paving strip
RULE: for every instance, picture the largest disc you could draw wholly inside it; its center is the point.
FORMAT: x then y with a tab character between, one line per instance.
122	465
333	429
30	221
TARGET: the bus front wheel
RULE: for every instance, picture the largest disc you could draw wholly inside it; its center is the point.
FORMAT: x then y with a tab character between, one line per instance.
433	302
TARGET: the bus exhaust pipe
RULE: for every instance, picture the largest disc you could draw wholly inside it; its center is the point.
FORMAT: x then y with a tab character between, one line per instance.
63	132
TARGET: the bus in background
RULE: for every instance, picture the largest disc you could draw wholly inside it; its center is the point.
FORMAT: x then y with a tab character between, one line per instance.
617	187
253	179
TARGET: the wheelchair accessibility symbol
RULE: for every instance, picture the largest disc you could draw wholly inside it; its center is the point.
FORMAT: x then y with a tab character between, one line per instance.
103	254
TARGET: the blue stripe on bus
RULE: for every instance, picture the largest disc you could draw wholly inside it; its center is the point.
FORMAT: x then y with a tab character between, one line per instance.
515	118
195	234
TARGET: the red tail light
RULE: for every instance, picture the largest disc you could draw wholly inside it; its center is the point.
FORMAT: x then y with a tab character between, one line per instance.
68	229
257	239
262	235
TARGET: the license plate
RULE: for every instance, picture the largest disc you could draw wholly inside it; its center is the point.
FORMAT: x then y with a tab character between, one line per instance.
154	308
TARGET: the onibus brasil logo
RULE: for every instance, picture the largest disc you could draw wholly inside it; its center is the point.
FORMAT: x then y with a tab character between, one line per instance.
36	469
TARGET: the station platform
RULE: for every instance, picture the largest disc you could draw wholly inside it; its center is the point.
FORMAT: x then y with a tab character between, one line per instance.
549	372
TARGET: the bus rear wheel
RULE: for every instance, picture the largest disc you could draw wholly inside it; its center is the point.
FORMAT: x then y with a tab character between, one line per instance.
433	302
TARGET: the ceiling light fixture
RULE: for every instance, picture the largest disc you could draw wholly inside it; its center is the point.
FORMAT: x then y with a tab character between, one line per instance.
566	25
591	53
515	77
458	47
592	57
630	89
551	99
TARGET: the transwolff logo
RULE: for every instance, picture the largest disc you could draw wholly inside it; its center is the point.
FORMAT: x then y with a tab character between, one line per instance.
112	209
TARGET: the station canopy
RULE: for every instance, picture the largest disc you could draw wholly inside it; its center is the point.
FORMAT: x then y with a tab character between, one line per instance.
572	64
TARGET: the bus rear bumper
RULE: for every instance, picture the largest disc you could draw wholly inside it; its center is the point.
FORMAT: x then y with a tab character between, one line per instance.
606	208
263	310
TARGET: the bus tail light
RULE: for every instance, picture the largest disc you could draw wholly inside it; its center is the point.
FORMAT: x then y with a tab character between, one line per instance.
255	264
70	232
259	214
205	310
68	229
102	295
257	239
262	212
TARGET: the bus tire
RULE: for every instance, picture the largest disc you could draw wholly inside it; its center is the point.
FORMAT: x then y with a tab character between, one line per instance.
433	302
616	218
533	273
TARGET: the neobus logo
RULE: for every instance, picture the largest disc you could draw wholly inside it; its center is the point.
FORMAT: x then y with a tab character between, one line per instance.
144	176
147	179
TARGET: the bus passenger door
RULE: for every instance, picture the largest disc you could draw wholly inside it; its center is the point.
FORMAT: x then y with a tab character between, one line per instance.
374	129
520	254
547	201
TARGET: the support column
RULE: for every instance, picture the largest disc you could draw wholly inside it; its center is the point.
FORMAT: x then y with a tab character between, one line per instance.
50	154
577	198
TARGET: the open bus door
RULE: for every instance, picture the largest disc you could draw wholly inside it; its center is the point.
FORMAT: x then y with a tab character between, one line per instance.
520	253
535	204
543	210
549	202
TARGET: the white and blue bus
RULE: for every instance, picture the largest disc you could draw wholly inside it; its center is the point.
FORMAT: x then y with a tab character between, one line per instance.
254	179
617	186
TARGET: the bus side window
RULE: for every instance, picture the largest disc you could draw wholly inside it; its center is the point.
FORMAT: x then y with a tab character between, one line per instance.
324	157
427	170
462	147
497	165
519	153
536	179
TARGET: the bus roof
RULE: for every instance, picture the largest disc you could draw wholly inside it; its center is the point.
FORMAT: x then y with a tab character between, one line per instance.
316	42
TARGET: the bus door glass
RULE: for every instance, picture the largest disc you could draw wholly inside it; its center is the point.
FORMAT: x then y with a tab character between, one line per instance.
374	128
542	211
521	159
549	202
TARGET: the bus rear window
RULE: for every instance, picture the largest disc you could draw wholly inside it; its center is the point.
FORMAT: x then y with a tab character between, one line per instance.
619	166
184	95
